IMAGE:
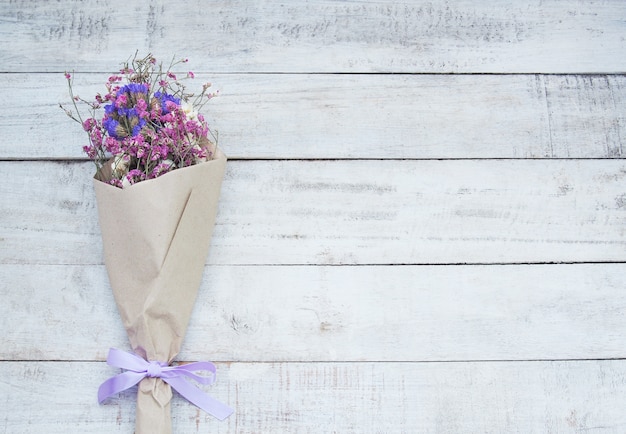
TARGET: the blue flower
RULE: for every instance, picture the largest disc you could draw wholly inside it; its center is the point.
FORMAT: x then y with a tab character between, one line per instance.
127	112
112	127
133	88
109	109
137	128
164	98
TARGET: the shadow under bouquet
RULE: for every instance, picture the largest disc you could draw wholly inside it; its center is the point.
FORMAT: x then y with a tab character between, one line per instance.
157	184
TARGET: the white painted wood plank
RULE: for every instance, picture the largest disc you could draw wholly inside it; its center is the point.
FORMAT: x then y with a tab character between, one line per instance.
350	212
540	397
379	313
320	36
360	116
590	114
320	116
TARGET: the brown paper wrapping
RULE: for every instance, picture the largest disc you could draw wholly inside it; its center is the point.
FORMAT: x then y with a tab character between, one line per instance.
156	237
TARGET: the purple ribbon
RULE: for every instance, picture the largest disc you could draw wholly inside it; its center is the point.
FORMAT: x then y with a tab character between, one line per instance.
137	369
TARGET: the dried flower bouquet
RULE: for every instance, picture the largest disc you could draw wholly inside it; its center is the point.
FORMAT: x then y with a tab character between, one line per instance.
157	184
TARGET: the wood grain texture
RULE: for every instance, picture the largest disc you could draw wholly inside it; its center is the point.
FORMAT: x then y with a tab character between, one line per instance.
359	116
455	36
302	313
554	397
350	212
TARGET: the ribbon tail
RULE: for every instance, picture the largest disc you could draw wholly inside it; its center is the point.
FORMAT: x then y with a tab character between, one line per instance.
118	384
199	398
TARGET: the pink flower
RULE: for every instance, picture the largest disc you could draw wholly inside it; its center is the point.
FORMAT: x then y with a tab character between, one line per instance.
89	124
166	118
142	107
68	76
162	168
121	101
190	74
112	145
96	137
90	151
135	175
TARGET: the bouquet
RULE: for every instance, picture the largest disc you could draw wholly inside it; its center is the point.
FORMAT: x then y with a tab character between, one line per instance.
157	184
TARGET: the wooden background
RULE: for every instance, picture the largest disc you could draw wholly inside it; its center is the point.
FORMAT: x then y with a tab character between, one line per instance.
422	226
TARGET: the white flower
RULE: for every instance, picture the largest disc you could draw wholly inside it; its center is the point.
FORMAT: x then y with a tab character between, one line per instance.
199	159
190	112
119	166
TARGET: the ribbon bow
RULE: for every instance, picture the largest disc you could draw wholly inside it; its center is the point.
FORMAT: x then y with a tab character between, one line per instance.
137	369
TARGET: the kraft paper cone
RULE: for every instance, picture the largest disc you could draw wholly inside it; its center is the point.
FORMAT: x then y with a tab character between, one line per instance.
156	236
